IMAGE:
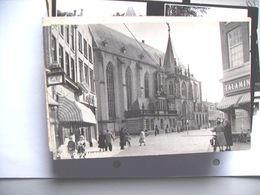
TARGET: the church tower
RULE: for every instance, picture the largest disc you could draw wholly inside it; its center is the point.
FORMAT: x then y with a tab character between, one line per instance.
169	63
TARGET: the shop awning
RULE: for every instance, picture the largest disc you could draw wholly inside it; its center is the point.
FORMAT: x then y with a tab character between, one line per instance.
73	111
245	98
234	101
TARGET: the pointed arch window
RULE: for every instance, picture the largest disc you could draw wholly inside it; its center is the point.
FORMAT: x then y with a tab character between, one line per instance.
171	88
190	91
146	85
195	91
177	88
110	91
184	90
128	78
184	109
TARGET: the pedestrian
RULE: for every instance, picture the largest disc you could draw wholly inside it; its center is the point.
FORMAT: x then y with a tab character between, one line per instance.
228	135
102	141
166	129
128	137
108	138
142	138
81	147
71	147
156	132
122	137
220	137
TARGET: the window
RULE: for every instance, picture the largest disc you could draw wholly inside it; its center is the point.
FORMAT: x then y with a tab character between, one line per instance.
67	34
161	123
146	85
72	38
152	124
128	80
80	41
86	74
62	30
91	75
80	70
184	111
195	91
184	90
53	49
190	91
147	124
235	46
72	69
177	88
171	88
110	91
85	49
90	54
61	57
67	61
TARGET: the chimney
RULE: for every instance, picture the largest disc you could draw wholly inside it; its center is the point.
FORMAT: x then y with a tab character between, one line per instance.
75	12
143	41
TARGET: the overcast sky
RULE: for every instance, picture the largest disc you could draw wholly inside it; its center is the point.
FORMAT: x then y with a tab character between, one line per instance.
195	43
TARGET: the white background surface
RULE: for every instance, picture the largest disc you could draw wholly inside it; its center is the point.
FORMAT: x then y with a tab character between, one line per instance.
23	133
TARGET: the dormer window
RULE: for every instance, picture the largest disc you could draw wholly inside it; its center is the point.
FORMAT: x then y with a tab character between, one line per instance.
104	43
123	50
141	56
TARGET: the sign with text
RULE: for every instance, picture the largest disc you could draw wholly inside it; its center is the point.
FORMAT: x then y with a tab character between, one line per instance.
237	85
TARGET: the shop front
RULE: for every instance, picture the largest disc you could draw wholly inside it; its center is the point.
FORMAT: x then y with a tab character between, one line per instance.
236	104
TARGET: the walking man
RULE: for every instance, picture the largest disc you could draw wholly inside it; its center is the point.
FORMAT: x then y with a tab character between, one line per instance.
109	137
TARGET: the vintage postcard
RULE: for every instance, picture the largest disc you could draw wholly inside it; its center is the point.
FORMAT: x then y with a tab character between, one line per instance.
147	86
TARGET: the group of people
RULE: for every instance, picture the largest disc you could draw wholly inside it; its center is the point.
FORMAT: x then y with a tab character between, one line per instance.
105	141
78	148
223	136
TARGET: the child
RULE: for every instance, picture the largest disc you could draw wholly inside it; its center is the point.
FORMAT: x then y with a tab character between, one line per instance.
71	147
142	138
81	147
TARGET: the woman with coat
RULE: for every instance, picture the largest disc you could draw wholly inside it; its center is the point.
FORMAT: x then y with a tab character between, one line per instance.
102	142
221	140
228	135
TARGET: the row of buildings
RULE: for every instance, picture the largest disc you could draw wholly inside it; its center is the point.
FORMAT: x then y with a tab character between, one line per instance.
98	78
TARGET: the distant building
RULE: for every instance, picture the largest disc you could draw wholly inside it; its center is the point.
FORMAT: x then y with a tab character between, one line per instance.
70	84
236	103
139	87
214	114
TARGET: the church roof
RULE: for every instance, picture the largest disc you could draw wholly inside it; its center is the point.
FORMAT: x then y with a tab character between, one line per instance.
169	59
130	12
115	42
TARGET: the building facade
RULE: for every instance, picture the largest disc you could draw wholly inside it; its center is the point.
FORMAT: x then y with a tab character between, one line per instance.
70	84
236	103
139	87
214	114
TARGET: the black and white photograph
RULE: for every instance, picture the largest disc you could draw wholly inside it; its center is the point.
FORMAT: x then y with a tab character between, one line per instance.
147	88
100	8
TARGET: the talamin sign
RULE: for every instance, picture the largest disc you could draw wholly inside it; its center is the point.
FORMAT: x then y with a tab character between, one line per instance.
237	85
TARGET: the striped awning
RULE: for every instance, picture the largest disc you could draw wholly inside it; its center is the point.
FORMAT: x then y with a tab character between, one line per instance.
245	98
234	101
228	102
73	111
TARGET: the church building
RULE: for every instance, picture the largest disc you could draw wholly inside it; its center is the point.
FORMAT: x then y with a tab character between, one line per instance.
140	87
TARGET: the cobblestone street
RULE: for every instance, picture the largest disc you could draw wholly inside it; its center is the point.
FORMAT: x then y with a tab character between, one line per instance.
193	141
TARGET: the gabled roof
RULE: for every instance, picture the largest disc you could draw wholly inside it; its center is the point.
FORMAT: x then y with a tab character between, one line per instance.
112	41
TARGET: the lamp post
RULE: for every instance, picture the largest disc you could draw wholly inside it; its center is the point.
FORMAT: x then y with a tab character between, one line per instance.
187	127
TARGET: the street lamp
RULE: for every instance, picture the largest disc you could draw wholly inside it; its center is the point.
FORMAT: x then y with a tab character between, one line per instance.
187	127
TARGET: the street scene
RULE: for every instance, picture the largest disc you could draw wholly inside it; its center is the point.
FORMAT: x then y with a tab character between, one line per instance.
195	141
115	90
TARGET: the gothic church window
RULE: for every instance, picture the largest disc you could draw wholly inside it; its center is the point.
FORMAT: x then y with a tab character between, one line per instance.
110	92
184	90
171	88
146	85
128	78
